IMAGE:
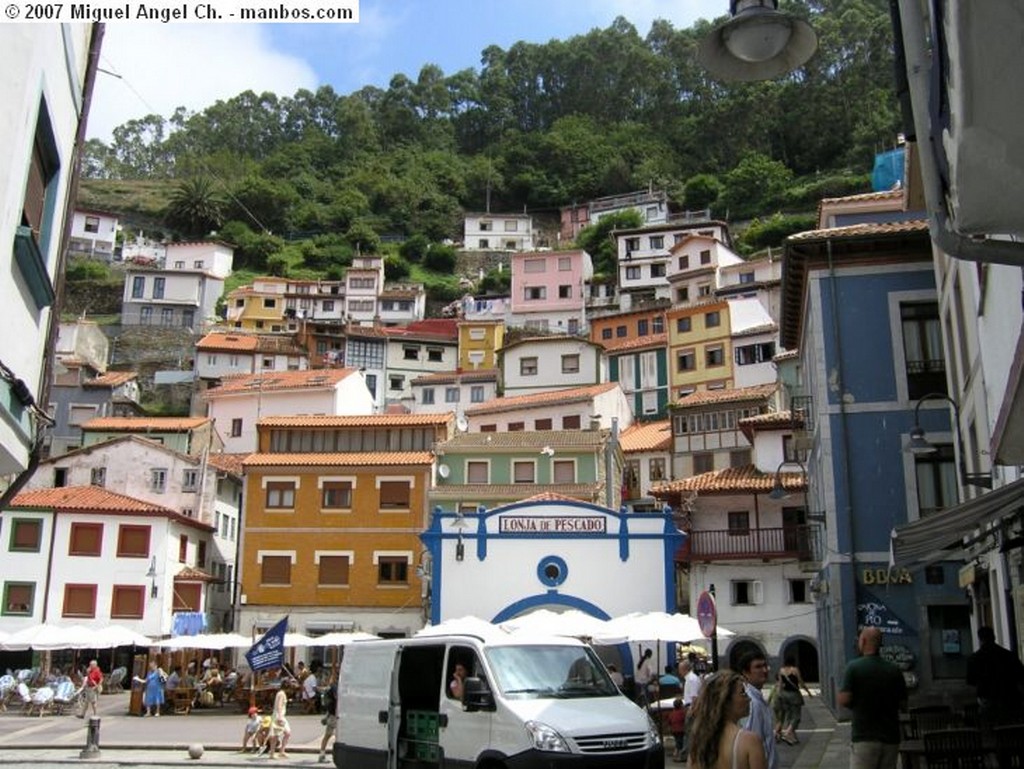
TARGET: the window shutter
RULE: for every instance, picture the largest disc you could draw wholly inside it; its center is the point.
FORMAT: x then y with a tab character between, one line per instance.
394	493
757	590
476	472
26	535
127	602
333	570
79	600
564	472
187	597
277	570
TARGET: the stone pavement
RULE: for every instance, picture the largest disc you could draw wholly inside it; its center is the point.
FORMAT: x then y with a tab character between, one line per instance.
127	740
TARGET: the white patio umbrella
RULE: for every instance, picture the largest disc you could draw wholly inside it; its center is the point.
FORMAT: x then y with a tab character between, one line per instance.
112	636
639	627
297	639
468	625
571	622
215	641
341	638
46	637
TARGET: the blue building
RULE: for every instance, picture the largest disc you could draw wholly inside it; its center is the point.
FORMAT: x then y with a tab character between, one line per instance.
859	302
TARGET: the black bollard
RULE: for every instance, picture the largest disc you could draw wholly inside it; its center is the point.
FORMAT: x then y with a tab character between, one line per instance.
92	739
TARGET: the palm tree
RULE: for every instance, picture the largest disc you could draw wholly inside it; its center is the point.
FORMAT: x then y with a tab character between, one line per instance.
195	207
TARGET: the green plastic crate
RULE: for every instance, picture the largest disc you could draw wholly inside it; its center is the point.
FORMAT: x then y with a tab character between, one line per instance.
421	725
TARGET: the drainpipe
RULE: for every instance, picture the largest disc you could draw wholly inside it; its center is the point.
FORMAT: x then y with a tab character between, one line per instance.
609	461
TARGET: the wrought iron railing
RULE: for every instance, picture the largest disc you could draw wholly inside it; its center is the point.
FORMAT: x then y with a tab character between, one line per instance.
802	542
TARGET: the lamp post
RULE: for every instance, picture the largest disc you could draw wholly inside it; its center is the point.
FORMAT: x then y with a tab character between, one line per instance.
757	43
460	523
919	445
778	490
152	577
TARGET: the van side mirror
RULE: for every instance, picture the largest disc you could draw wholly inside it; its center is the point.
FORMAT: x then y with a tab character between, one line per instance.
477	695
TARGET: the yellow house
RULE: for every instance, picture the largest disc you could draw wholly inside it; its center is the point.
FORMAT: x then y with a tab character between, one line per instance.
478	342
333	511
258	307
700	350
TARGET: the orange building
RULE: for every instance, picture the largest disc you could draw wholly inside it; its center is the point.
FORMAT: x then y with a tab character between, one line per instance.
334	506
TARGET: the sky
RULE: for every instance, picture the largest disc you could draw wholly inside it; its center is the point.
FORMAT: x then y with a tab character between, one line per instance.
155	68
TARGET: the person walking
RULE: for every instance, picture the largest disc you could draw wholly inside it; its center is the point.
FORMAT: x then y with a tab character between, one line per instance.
153	691
280	730
754	669
330	719
998	676
790	700
716	740
874	690
91	688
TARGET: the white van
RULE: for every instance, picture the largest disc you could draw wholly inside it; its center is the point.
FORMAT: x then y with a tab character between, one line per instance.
527	702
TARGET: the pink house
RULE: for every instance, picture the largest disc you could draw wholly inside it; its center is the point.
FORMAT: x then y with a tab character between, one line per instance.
549	290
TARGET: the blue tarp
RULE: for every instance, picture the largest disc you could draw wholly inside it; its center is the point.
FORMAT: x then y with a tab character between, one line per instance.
888	171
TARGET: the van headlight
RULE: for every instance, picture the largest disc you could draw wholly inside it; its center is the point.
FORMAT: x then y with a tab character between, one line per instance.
653	733
546	738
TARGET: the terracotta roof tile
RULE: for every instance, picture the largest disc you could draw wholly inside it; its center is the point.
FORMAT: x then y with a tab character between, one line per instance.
708	397
731	480
476	492
192	574
365	459
452	377
572	395
218	341
280	380
863	230
145	424
367	420
647	436
546	340
532	440
773	420
865	196
227	463
640	342
95	499
112	379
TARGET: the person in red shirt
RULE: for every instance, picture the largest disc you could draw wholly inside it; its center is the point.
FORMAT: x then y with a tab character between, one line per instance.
91	688
677	725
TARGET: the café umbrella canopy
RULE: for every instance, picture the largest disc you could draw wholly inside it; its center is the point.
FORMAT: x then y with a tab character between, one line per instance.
571	622
341	638
47	637
640	627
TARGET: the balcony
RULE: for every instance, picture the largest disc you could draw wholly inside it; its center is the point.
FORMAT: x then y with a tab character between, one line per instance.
801	543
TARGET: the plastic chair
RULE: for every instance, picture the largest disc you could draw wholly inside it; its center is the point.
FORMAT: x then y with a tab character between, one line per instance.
937	722
954	749
911	731
1010	746
22	696
6	690
41	701
114	681
65	696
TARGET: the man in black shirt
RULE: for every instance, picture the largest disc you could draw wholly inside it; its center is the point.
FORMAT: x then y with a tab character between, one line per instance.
998	675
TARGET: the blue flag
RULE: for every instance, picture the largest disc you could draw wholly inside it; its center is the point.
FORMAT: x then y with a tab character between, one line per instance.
268	652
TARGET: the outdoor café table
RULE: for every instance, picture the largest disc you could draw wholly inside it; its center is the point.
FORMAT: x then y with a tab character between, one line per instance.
912	751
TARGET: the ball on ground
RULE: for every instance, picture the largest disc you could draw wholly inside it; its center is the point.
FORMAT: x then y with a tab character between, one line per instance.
195	751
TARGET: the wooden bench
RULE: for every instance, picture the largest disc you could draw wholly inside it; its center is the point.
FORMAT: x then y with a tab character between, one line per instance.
181	699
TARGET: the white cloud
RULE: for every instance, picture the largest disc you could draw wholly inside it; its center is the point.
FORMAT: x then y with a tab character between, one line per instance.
165	66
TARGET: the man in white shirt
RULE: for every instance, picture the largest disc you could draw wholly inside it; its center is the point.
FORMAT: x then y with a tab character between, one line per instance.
691	688
309	692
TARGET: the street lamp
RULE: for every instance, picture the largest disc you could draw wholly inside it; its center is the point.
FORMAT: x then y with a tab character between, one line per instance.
778	490
919	445
460	523
757	43
152	576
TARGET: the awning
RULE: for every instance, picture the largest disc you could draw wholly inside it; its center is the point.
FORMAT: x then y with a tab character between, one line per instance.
939	537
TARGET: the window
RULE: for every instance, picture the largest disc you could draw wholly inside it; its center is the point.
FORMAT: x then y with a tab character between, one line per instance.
571	422
476	394
410	353
132	541
485	226
534	265
371	384
749	354
799	591
138	287
739	523
570	364
712	319
565	292
524	472
936	480
516	427
543	424
201	554
657	241
336	495
187	597
190	480
236	428
19	598
80	413
26	535
428	396
683	324
704	290
451	395
747	592
705	256
167	316
86	539
746	277
563	471
528	366
79	601
485	243
183	548
333	570
922	348
633	273
703	462
280	495
621	331
656	468
92	224
276	570
564	264
632	244
435	354
98	476
197	264
392	570
396	382
535	292
714	356
739	458
127	602
395	495
159	284
146	316
477	472
158	479
683	294
269	304
606	333
686	361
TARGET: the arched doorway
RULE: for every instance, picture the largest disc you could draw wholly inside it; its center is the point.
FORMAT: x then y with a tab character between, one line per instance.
805	653
741	647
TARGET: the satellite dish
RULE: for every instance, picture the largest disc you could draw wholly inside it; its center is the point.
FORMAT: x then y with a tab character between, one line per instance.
444	471
462	424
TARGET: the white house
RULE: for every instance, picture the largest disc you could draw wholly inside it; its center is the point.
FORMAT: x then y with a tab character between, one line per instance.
693	269
754	342
220	354
760	278
240	401
44	92
534	364
93	234
581	408
647	448
498	232
424	347
401	304
364	281
211	257
453	391
86	555
155	297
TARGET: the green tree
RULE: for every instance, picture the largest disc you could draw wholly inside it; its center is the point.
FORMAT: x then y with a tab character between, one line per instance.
496	282
701	191
755	184
363	238
195	207
440	258
596	240
414	248
395	268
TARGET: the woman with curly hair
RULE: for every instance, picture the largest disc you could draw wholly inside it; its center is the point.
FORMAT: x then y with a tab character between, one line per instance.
716	740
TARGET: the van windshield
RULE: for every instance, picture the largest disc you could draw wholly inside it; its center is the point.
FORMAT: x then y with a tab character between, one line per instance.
537	672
